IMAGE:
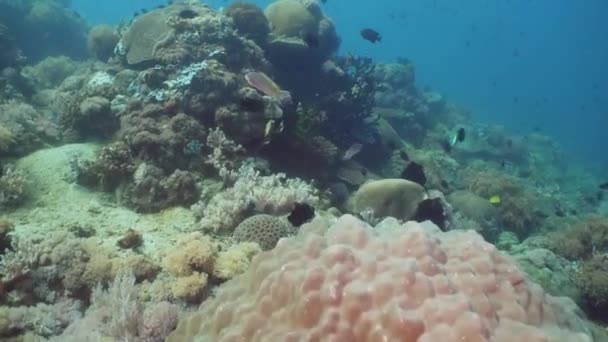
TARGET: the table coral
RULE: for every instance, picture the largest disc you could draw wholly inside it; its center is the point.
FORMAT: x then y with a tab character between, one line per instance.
399	283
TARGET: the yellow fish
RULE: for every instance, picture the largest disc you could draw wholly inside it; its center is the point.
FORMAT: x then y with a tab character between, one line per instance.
495	200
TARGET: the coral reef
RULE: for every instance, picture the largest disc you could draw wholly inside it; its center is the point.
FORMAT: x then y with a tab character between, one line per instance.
186	174
45	28
293	285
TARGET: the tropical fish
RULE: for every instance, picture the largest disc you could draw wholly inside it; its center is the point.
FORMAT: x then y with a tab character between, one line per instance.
458	137
272	127
263	83
495	200
371	35
301	213
352	151
414	172
604	186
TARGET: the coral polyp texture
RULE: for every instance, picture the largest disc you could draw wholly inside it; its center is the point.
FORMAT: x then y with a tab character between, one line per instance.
397	282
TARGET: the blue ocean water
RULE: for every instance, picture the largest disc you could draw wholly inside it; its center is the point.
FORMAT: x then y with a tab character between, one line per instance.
526	64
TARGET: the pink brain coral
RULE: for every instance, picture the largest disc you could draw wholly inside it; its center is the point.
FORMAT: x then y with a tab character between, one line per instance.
397	283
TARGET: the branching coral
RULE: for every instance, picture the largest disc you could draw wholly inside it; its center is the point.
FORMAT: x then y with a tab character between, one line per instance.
13	187
274	194
117	314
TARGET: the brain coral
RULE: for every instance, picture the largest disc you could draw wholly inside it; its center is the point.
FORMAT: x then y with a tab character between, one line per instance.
266	230
395	283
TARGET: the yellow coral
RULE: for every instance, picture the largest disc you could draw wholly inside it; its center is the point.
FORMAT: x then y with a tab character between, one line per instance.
193	252
192	288
235	260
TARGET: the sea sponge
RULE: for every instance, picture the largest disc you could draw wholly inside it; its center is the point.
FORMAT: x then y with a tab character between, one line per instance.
235	260
265	230
249	21
101	41
193	252
393	283
397	198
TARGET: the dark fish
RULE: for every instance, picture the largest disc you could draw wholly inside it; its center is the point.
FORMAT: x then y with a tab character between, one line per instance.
460	134
311	39
144	11
404	155
324	1
301	214
604	186
371	35
445	145
432	210
444	184
414	172
515	53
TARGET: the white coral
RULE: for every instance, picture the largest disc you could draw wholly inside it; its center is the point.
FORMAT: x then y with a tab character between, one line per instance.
274	194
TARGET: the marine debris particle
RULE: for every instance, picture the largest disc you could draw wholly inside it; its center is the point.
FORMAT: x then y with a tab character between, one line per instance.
414	172
371	35
263	83
301	213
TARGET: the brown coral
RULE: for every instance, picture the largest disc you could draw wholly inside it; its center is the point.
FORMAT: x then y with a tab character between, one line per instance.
592	279
517	209
581	240
266	230
249	21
